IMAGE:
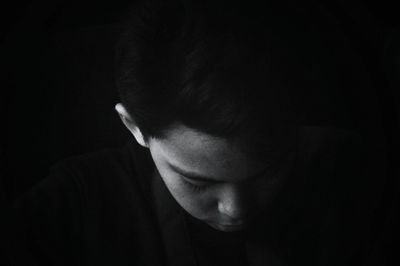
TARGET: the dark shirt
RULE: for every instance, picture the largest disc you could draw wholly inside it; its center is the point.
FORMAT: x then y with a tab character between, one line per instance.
111	208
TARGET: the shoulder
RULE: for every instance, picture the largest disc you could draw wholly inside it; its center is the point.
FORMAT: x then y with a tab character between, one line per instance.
87	172
106	178
97	163
86	205
91	186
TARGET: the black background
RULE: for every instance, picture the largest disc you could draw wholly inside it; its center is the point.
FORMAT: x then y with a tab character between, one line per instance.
58	96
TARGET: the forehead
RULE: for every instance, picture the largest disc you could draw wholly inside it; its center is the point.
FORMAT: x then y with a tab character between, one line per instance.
205	155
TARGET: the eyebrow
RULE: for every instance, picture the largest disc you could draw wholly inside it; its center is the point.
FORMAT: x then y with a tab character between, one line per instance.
201	178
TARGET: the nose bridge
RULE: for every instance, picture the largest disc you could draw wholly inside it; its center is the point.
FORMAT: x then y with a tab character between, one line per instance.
232	201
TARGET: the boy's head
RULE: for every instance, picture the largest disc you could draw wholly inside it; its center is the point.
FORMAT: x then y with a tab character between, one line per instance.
233	70
217	89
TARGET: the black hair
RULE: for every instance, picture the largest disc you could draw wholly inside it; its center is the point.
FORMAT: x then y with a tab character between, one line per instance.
234	69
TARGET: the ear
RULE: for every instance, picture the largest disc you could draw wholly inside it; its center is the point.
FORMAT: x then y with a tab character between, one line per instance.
130	124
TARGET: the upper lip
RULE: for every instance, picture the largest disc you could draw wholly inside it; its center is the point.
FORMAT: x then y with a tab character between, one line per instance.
232	225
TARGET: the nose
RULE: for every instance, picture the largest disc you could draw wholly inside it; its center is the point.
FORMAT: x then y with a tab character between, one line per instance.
233	203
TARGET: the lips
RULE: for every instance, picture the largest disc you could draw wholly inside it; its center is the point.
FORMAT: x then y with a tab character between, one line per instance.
232	225
228	227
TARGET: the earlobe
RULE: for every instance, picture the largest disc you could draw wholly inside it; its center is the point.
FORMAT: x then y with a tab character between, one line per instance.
130	124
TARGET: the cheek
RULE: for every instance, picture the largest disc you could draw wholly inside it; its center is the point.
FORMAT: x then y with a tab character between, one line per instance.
199	204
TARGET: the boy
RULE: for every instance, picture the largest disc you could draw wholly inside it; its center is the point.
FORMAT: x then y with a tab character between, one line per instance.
247	147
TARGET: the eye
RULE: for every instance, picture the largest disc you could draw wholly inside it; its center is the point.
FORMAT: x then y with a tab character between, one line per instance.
196	186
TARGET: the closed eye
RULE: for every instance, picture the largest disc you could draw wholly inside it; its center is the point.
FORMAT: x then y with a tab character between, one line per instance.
195	185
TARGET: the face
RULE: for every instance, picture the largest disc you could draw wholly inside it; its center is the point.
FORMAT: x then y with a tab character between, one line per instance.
213	180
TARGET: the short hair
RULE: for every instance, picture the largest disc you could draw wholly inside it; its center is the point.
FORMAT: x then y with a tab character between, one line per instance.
234	69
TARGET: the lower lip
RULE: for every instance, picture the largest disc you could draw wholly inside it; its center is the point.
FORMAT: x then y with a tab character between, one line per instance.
228	228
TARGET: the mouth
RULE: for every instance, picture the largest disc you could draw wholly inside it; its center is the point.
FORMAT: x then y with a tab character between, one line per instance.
228	227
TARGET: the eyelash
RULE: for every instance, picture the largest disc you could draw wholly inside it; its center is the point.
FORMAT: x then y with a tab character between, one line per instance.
194	187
